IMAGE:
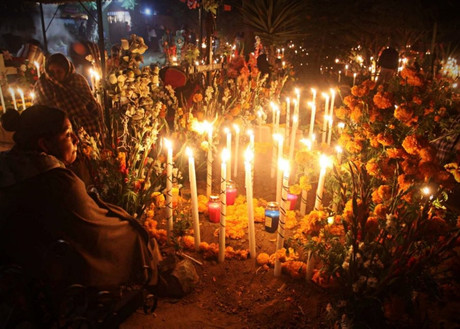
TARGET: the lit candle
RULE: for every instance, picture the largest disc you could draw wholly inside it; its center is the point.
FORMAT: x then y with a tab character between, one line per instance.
279	139
229	148
21	93
354	78
331	117
208	127
93	84
288	116
313	112
251	147
304	195
326	110
248	158
32	96
169	168
237	146
223	202
193	191
37	66
340	73
295	123
325	162
284	166
339	151
2	99
13	96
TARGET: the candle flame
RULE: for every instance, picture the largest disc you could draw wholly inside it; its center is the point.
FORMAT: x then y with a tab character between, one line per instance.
167	143
313	137
226	130
278	137
325	161
189	152
297	92
295	118
283	165
288	99
426	190
37	65
237	128
338	149
248	155
313	90
326	96
330	220
341	125
32	95
91	72
307	142
225	155
250	132
332	92
20	92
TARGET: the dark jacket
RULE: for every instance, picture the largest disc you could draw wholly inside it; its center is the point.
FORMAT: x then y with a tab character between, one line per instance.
42	202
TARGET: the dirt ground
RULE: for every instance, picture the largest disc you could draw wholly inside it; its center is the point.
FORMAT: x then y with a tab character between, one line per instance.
241	294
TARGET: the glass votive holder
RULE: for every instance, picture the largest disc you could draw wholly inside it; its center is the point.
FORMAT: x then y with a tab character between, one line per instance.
214	208
292	199
272	217
231	192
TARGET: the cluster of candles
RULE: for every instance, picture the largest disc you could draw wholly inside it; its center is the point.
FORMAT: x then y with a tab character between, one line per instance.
217	206
13	94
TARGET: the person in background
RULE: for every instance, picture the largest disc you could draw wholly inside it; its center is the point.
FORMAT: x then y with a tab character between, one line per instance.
42	203
61	87
388	62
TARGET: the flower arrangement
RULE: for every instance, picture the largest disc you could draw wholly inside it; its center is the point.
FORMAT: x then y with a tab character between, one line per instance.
389	227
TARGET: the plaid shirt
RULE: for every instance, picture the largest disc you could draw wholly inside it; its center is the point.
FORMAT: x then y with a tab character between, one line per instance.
73	96
446	147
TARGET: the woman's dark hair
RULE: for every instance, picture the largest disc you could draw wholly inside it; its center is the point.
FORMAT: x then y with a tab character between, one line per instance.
32	124
58	59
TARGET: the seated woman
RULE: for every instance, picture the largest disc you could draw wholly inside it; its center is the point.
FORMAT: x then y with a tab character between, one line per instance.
42	202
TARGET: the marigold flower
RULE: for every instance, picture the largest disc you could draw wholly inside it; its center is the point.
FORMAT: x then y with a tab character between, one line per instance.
427	154
428	111
372	167
342	113
304	183
356	114
376	198
380	210
354	146
405	115
372	224
348	210
395	153
411	144
410	76
350	101
384	192
385	139
295	189
382	100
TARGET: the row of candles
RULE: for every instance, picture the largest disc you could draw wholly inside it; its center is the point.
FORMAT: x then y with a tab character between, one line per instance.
12	92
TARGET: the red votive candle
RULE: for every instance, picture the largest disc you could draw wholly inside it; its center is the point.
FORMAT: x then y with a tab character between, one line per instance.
214	209
231	193
292	198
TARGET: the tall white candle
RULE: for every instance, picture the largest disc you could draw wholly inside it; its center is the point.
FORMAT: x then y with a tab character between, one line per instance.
251	147
313	112
295	123
354	78
304	195
2	98
169	168
331	117
283	206
279	139
223	204
248	158
228	133
237	146
13	96
37	66
194	196
288	117
324	164
340	73
208	127
325	119
21	93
